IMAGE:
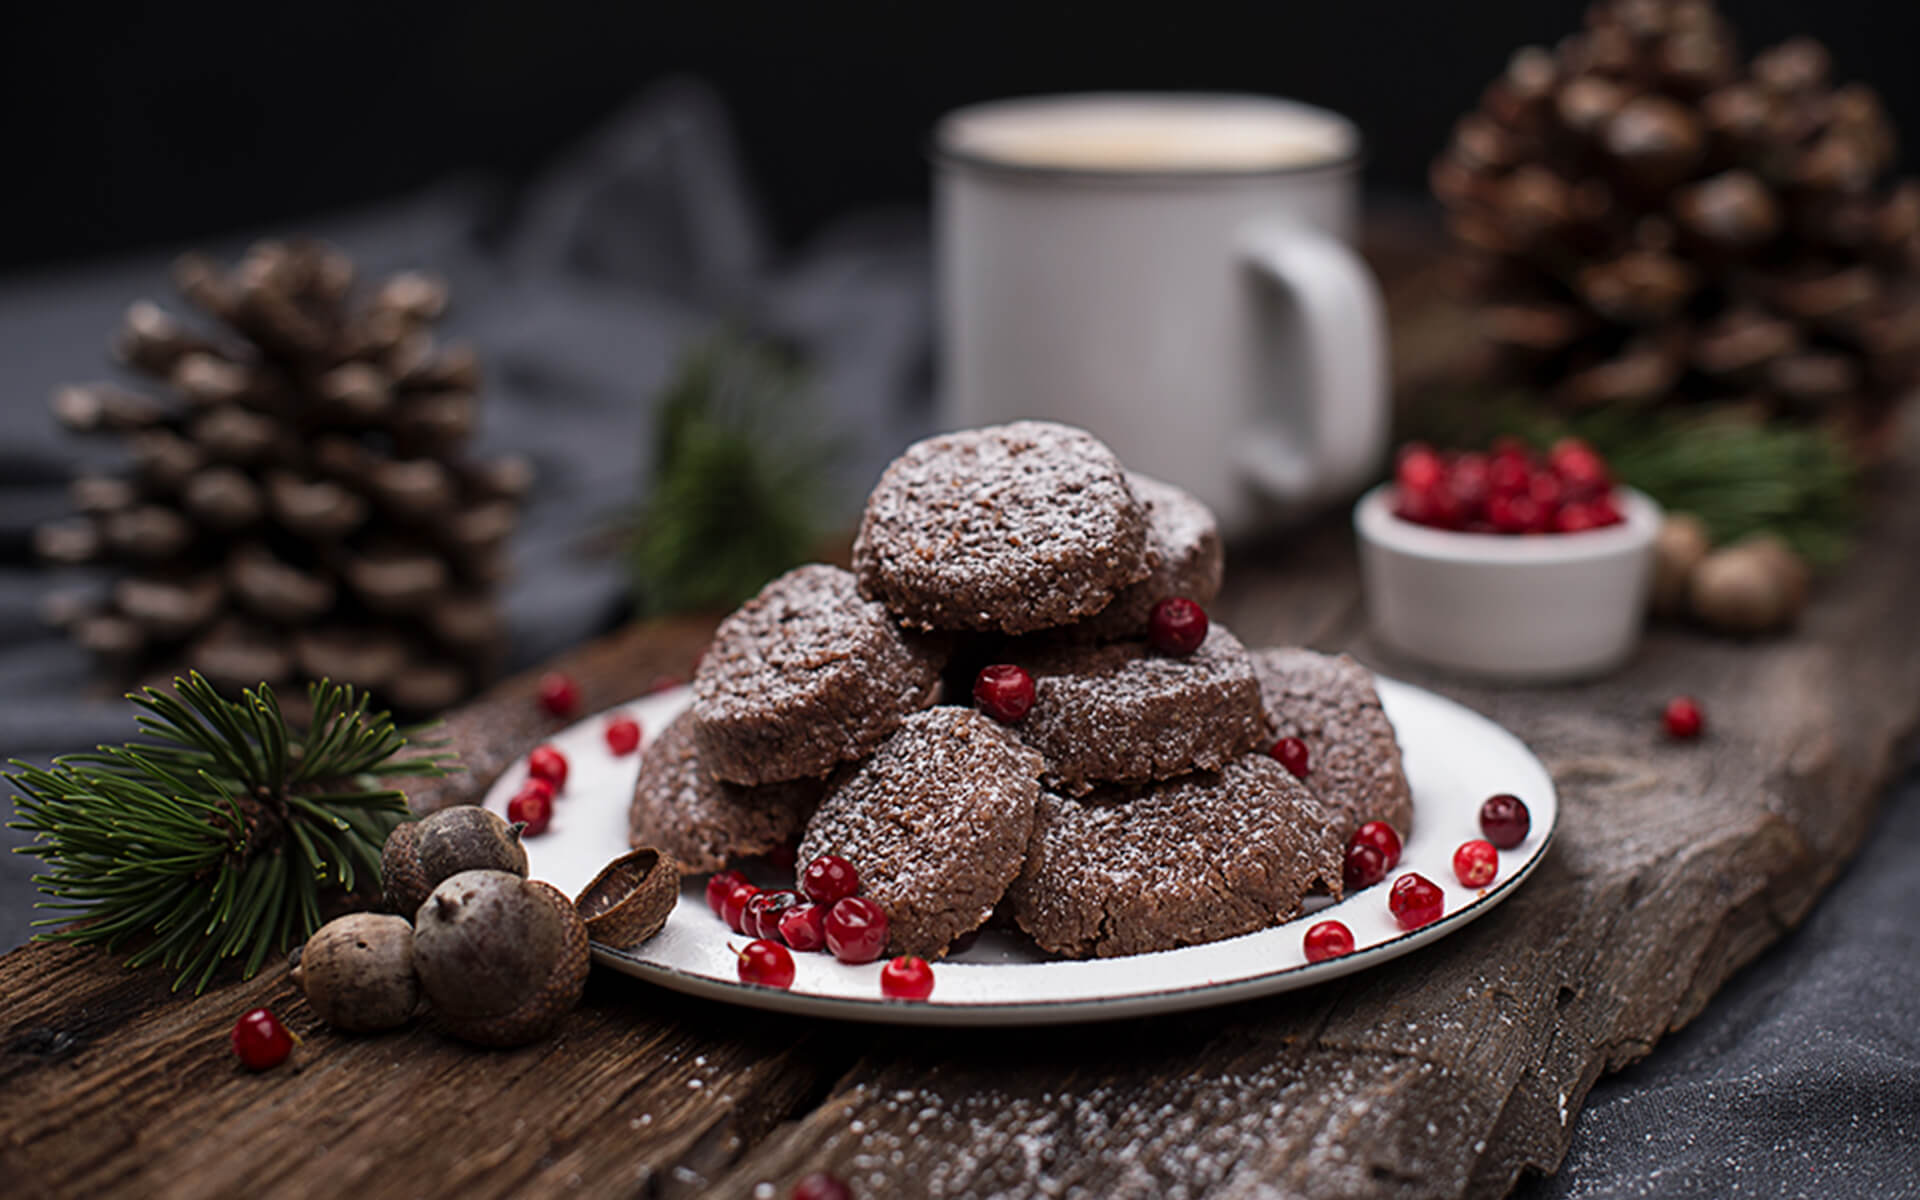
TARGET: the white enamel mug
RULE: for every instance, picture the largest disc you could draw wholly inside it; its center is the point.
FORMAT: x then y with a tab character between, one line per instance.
1171	272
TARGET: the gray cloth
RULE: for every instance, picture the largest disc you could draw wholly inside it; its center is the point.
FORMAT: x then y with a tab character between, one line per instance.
1802	1079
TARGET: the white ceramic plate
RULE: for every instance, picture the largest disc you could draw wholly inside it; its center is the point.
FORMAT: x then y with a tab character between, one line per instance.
1455	759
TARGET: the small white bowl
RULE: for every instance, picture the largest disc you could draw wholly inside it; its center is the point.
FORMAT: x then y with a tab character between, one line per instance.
1523	608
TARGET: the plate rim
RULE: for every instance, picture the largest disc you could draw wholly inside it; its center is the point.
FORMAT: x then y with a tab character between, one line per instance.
974	1011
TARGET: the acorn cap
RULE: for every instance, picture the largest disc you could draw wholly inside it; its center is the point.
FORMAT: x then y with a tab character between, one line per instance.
630	899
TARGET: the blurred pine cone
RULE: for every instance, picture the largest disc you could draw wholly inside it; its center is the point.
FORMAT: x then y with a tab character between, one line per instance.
301	504
1648	222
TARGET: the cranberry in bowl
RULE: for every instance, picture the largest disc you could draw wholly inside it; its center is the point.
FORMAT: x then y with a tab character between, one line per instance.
1509	564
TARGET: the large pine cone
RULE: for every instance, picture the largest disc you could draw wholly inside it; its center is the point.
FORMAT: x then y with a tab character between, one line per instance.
1650	223
300	506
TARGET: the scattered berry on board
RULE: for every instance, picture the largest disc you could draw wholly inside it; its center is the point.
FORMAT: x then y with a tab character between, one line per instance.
906	978
1684	719
623	735
829	878
1509	490
1291	753
1365	866
856	930
1416	901
1505	821
821	1186
260	1040
765	963
719	886
1475	863
1382	837
804	926
1328	939
1177	626
1004	692
549	764
559	694
532	806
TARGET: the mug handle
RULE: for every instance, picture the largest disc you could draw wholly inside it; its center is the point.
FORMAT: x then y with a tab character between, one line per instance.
1335	440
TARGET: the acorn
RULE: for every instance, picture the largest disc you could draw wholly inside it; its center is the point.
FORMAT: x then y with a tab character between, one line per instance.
419	854
1678	548
630	899
1756	585
357	972
502	959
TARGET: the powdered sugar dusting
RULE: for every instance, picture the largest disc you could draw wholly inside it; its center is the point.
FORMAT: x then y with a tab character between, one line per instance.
1125	713
1183	541
702	823
1014	527
1329	702
1203	857
936	823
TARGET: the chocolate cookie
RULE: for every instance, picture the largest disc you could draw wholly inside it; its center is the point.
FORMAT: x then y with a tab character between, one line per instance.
805	676
702	823
1014	527
1207	856
1126	713
936	823
1353	761
1184	541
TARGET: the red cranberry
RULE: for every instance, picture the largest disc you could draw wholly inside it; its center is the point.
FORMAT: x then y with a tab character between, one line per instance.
1505	821
1605	511
761	917
856	930
829	878
1508	475
1382	837
1365	867
1515	514
804	926
1417	507
1684	719
765	963
1467	480
261	1040
719	886
1419	468
821	1186
1579	467
1475	863
1416	901
532	806
1328	939
1291	753
1177	626
549	764
1004	692
906	978
623	735
733	910
1576	517
559	694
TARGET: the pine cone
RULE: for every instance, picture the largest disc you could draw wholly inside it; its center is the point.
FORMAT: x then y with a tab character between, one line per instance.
1647	223
299	507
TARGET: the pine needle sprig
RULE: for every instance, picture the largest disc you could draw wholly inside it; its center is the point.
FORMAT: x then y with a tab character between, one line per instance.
218	838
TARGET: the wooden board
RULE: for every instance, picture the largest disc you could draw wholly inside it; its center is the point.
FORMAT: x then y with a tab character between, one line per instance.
1445	1073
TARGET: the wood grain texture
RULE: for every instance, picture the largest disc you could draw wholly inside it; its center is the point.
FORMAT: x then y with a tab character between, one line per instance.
1445	1073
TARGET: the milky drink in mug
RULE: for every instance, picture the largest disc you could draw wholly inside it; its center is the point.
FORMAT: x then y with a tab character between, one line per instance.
1170	272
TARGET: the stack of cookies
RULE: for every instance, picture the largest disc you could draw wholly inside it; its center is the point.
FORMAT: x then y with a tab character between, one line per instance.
1132	806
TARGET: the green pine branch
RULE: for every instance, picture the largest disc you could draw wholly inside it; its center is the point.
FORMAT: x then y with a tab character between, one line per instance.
738	491
216	839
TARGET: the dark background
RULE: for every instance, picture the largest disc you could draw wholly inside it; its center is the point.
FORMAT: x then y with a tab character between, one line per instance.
131	125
